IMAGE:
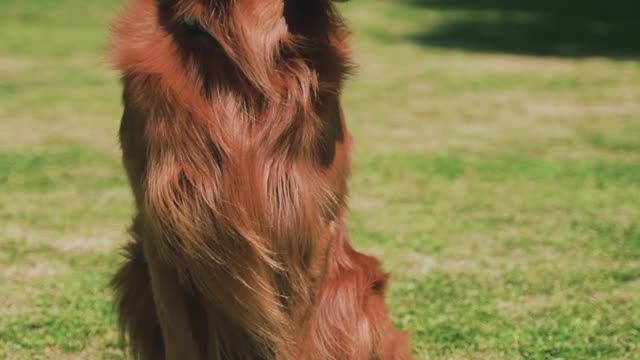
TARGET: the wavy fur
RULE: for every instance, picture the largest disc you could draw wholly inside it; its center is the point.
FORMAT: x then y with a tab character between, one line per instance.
237	152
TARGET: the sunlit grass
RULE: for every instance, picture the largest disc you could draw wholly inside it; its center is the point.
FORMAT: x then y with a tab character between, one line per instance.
501	190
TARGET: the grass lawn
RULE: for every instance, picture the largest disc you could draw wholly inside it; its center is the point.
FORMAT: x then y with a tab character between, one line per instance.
496	172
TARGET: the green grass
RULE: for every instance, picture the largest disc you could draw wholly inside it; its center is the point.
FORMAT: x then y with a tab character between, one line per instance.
496	172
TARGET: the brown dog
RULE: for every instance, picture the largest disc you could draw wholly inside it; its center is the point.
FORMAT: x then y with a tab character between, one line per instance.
237	152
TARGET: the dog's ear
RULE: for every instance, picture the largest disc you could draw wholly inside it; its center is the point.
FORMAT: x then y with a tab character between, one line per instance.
300	9
309	16
166	3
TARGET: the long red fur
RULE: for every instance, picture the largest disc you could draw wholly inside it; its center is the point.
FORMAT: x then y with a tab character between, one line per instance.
237	152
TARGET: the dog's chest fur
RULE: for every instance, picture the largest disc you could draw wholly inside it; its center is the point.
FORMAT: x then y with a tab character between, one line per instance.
212	170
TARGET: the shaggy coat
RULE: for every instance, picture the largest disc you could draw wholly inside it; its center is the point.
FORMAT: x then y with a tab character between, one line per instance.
236	149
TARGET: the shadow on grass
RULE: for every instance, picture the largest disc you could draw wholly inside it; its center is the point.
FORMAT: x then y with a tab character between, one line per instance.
570	28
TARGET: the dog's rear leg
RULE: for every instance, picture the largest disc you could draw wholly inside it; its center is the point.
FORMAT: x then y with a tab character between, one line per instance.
135	306
172	309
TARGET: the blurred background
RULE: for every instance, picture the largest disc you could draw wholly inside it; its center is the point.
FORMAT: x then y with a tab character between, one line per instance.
496	172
